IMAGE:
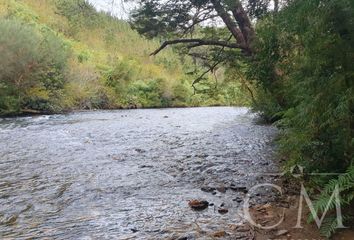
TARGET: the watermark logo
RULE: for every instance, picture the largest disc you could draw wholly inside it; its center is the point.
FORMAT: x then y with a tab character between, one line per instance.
297	172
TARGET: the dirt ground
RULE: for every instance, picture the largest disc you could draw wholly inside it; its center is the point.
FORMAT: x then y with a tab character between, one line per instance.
270	214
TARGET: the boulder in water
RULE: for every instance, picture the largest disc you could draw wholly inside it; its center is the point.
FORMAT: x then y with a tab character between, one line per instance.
198	204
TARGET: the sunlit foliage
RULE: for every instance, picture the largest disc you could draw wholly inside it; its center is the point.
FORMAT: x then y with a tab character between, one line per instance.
86	60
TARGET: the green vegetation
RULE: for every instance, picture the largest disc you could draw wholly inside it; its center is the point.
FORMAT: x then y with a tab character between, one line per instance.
293	60
33	67
60	55
307	82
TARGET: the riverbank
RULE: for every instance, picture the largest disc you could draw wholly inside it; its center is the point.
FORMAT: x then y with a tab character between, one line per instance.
31	112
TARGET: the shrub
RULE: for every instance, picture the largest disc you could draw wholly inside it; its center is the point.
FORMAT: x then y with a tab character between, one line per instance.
29	59
309	83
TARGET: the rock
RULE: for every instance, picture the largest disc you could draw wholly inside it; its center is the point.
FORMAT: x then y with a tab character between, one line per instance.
198	204
281	232
223	210
139	150
207	189
218	234
146	166
238	199
165	116
11	220
238	188
221	189
182	238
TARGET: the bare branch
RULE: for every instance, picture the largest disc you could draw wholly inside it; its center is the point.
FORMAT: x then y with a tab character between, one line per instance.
197	42
210	69
197	21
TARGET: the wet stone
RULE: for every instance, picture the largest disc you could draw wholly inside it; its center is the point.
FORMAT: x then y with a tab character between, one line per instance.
146	166
198	204
239	188
238	199
207	189
219	234
223	210
221	189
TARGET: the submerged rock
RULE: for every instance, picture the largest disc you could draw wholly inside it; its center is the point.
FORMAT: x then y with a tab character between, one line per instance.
238	188
207	189
198	204
223	210
221	189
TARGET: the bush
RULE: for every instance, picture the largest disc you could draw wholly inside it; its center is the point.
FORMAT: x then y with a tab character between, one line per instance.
80	13
305	65
148	94
29	59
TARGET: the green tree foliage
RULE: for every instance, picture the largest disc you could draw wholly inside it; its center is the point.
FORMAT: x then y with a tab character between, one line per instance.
305	77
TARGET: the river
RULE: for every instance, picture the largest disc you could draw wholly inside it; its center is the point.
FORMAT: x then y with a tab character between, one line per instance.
129	174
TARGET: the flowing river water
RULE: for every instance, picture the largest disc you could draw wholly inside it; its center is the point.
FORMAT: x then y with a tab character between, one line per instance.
129	174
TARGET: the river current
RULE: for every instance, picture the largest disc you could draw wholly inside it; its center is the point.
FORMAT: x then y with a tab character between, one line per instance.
129	174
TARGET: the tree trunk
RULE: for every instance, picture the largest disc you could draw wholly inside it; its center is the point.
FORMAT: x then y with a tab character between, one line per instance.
244	23
230	24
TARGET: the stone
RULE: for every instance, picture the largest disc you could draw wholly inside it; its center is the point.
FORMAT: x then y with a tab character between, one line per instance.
218	234
198	204
239	188
223	210
281	232
207	189
221	189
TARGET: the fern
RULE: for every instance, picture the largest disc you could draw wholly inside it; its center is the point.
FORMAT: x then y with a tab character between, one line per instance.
329	226
345	184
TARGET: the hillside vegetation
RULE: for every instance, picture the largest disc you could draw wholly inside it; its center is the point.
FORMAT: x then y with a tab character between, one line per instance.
61	55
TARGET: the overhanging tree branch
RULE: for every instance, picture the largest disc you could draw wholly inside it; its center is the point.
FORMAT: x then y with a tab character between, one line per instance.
197	42
210	69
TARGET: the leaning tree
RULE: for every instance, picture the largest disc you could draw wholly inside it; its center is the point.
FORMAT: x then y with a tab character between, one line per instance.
213	31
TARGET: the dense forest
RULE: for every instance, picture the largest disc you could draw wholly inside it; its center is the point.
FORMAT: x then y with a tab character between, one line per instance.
64	55
290	60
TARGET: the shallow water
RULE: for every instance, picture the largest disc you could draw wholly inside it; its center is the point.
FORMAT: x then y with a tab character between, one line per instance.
128	174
